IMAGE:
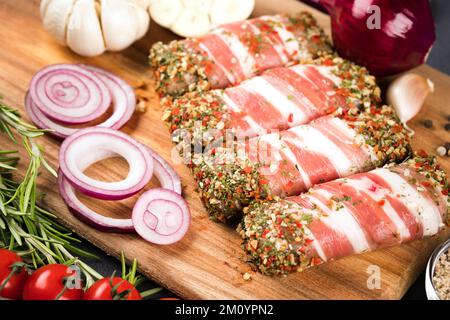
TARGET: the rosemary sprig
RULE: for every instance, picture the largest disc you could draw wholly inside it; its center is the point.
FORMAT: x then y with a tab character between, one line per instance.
25	227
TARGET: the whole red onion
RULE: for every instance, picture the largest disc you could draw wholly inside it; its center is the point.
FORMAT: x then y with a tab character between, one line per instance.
315	3
386	36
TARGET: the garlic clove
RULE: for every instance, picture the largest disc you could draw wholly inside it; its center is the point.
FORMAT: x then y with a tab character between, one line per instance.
143	22
43	7
191	24
119	24
55	16
145	4
407	95
200	6
223	12
84	35
166	13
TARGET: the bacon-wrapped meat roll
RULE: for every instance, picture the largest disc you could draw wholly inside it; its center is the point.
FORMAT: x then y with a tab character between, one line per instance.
234	52
291	161
364	212
279	99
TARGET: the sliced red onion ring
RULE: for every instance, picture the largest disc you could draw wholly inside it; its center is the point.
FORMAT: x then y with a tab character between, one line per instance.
167	177
90	145
123	103
88	215
123	98
161	216
41	120
162	170
69	94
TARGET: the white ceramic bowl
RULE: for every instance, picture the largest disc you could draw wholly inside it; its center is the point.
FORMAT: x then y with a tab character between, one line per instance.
429	287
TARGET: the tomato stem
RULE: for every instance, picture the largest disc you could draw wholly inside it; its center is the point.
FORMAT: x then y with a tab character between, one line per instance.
16	267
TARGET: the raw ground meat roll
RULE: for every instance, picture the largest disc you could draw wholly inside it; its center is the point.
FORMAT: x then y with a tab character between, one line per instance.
234	52
279	99
364	212
289	162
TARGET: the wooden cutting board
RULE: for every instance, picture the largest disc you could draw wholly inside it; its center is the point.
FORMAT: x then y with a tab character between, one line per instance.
208	263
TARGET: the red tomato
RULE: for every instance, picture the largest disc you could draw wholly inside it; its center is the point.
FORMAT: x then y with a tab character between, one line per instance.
53	282
11	266
112	289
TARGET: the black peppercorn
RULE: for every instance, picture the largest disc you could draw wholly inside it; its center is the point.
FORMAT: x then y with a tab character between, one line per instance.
447	146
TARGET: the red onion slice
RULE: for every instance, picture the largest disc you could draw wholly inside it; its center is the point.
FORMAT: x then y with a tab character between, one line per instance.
43	122
90	145
88	215
167	177
161	216
123	98
123	104
69	94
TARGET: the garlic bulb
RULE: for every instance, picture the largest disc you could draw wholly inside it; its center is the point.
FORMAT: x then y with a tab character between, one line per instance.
91	27
407	95
192	18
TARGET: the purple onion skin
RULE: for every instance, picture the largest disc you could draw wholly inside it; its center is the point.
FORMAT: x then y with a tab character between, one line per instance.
387	50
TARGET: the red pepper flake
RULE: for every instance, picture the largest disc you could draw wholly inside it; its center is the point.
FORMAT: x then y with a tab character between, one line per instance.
316	261
263	181
291	117
331	110
426	184
397	128
381	202
328	62
299	225
445	192
422	153
247	170
308	241
315	39
208	68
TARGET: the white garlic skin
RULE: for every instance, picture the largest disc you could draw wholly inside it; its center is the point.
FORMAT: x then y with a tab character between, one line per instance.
407	94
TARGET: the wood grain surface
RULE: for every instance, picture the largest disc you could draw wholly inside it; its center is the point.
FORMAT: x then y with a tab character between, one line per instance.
208	263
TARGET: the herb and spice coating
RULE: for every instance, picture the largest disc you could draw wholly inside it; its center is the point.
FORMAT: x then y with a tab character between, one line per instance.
229	179
364	212
206	116
213	61
441	277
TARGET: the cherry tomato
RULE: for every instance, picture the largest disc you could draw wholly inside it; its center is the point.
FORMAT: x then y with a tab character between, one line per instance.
13	275
112	289
53	282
